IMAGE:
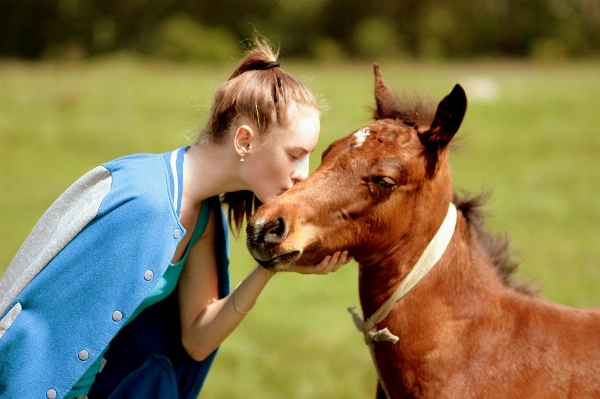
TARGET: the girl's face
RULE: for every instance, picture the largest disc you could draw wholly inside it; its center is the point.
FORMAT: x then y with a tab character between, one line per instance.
280	160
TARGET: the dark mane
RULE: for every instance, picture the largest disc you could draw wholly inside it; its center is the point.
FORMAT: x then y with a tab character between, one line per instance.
497	246
414	109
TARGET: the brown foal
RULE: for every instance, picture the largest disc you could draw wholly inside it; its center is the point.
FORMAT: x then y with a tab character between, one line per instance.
465	330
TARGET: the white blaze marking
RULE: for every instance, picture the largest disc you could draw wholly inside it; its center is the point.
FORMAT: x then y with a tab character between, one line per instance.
360	136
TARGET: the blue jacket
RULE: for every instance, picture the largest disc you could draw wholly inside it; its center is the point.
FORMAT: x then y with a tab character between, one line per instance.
86	266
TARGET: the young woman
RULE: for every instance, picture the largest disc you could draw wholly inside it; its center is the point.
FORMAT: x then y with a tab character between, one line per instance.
122	290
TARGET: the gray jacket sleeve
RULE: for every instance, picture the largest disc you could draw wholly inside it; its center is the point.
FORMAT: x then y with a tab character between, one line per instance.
67	216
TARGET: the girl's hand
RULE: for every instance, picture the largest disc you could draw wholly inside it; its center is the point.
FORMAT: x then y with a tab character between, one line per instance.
329	264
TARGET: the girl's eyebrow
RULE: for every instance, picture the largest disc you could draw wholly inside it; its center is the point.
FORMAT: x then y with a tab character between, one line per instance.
299	148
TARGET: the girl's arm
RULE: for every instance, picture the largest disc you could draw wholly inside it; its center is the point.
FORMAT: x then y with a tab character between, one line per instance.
207	320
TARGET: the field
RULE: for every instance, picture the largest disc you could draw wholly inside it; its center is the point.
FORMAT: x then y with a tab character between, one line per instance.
531	136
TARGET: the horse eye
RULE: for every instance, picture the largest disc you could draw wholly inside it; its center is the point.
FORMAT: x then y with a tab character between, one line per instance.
384	181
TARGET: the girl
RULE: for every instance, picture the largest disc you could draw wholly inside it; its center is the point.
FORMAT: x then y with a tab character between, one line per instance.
122	290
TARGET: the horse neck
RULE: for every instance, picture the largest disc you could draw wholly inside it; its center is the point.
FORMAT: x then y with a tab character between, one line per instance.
387	265
464	269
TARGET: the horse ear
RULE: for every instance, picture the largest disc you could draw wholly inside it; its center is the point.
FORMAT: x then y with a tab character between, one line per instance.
387	104
448	117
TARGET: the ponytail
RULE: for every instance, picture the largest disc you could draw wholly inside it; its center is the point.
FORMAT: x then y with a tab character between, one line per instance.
262	92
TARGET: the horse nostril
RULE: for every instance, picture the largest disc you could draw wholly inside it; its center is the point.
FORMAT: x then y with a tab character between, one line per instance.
278	227
274	231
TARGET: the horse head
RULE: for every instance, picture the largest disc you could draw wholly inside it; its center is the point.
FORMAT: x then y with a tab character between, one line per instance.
374	190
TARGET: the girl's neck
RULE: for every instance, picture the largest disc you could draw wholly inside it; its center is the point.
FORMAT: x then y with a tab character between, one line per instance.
210	169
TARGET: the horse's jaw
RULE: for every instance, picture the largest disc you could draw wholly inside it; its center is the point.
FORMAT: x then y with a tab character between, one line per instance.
282	259
278	262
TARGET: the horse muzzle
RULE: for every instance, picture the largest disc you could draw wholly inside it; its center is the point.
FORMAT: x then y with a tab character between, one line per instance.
264	240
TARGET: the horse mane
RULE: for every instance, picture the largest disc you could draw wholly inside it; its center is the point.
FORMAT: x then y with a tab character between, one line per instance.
497	246
412	108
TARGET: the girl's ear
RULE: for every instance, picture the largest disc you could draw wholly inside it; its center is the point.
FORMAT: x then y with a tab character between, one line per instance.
242	139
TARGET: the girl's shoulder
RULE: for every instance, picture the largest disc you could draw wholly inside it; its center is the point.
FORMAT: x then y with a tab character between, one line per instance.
147	180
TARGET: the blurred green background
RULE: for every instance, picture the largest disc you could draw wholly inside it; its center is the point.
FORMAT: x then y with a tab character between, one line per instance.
316	29
97	80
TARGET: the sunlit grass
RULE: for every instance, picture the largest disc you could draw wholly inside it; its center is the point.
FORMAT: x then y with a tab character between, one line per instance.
536	146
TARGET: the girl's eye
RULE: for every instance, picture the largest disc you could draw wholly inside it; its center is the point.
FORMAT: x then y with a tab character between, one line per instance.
384	181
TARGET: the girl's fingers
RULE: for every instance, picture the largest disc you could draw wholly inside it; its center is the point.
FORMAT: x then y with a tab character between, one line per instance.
334	259
329	264
324	263
342	260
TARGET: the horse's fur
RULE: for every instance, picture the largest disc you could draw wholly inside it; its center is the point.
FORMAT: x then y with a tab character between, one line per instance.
467	330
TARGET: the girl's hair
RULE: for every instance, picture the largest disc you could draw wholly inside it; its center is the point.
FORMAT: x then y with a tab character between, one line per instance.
260	91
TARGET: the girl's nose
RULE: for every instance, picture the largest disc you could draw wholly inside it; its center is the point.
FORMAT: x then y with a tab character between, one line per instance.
301	171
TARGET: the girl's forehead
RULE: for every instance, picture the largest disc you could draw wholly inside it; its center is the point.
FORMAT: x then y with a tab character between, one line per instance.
302	129
305	128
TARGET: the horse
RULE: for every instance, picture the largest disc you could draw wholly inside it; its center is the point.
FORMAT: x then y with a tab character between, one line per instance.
446	318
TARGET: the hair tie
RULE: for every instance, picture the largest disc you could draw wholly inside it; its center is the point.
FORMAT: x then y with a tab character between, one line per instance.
271	64
263	66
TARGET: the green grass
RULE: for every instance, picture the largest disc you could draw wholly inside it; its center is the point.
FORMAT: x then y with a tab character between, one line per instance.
537	146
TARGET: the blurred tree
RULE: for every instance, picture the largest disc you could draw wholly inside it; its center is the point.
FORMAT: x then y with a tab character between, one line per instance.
181	38
376	37
331	29
24	27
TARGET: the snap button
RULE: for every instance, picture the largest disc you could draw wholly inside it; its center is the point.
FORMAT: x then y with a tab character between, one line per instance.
51	393
83	355
148	274
176	233
117	316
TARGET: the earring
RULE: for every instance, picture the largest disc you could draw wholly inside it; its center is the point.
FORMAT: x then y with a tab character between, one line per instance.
243	153
242	159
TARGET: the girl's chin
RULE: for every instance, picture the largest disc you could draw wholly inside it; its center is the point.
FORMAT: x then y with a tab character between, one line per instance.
265	198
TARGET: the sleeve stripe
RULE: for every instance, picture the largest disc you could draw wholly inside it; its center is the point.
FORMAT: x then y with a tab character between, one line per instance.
173	163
